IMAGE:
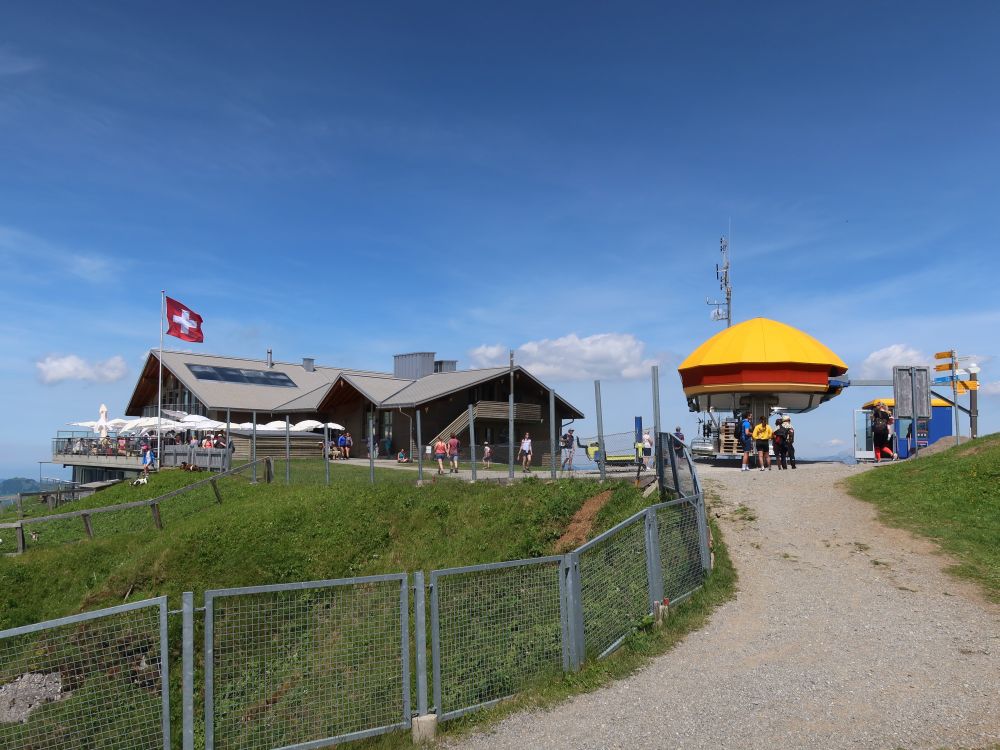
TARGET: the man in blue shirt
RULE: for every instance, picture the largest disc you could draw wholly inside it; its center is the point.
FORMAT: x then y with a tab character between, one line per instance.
746	436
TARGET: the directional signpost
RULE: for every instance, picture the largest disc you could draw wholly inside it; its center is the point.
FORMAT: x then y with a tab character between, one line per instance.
951	365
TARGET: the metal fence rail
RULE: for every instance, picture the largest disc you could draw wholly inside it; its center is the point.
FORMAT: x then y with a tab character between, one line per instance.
95	680
495	627
306	664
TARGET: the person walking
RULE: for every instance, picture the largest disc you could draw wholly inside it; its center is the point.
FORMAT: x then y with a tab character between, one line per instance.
789	439
453	449
525	454
487	456
647	448
148	460
679	442
342	445
348	444
762	437
440	454
780	440
746	439
568	449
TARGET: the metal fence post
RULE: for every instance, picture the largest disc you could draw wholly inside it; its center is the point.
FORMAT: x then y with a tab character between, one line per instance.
253	447
574	611
435	645
164	673
510	420
187	670
552	429
472	439
371	447
600	429
288	450
420	640
672	453
326	452
654	569
209	673
706	556
420	450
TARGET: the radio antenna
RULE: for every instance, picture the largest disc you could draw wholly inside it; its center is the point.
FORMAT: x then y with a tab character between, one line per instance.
723	309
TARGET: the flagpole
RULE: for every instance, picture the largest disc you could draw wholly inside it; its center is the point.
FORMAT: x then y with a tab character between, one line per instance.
159	388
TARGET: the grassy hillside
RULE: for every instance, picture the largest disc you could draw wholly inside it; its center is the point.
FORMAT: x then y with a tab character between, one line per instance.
276	533
952	497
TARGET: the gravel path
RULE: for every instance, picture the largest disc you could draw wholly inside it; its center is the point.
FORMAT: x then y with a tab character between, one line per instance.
844	634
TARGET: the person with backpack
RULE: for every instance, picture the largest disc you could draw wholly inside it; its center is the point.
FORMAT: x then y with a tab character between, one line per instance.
786	422
780	441
746	438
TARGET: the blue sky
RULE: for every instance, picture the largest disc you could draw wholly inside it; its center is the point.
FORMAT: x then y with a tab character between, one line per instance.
352	180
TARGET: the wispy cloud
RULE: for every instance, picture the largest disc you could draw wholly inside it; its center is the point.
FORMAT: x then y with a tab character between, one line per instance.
835	442
13	64
990	389
879	363
28	256
602	355
55	369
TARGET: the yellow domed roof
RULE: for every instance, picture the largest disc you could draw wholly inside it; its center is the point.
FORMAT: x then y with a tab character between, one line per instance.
760	340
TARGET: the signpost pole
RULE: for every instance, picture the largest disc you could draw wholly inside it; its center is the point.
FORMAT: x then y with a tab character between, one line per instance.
974	402
913	409
954	394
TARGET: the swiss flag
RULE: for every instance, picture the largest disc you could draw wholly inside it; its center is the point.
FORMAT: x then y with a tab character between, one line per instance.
183	322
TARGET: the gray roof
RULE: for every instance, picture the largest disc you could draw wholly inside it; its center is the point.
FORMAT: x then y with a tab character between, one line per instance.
441	384
311	387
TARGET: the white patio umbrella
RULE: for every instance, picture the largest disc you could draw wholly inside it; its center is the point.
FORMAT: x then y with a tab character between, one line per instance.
117	423
90	425
277	424
306	424
199	422
334	426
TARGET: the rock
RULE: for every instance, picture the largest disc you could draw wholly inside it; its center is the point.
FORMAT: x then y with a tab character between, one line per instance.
29	692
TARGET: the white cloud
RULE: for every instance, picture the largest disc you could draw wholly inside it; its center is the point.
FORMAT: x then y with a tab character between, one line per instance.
603	355
879	363
71	367
835	442
990	389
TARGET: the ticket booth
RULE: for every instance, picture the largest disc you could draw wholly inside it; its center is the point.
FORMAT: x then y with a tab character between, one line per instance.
928	431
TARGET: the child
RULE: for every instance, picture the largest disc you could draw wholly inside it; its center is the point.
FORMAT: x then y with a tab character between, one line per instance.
401	457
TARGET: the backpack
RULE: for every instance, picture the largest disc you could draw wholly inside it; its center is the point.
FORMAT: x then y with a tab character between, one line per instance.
779	436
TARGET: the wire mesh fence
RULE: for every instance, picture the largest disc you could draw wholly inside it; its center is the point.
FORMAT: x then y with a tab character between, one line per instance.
614	585
679	548
97	680
494	628
309	664
306	663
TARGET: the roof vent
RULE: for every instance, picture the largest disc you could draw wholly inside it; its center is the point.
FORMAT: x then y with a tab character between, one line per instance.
270	359
308	364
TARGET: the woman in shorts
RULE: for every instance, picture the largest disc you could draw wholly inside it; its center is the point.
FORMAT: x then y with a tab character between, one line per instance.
440	454
525	453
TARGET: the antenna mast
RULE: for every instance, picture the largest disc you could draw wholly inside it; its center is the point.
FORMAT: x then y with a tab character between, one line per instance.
723	310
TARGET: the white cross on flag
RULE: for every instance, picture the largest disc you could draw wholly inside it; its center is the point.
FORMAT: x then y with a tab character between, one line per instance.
182	322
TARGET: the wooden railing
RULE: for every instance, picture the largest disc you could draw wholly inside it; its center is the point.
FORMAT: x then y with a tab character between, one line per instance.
153	504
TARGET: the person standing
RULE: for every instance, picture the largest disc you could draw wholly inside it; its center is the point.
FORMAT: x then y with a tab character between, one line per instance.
453	449
487	456
780	440
148	460
342	445
647	448
440	454
568	449
525	453
762	437
348	444
789	439
880	432
679	442
746	439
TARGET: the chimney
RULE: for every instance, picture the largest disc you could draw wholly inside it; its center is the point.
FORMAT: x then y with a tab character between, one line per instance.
308	364
270	360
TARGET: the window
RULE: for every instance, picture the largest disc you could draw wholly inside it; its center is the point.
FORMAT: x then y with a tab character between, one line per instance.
239	375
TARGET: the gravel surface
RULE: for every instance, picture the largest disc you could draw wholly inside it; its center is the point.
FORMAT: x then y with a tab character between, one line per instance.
844	634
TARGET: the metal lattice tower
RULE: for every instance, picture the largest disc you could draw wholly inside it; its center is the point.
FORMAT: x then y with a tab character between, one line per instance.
723	309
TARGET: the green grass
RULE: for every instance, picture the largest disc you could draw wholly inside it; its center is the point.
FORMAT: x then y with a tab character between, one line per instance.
306	531
952	497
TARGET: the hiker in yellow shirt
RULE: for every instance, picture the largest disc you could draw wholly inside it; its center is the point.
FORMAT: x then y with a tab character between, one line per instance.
762	433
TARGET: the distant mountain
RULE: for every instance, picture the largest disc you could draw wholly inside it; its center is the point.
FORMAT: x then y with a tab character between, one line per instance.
18	484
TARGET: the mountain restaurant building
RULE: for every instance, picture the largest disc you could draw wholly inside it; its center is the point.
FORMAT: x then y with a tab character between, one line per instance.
238	390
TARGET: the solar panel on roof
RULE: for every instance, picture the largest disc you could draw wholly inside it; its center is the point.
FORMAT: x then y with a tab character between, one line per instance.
239	375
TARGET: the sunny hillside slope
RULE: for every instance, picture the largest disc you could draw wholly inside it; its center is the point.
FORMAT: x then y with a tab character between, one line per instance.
952	497
276	533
